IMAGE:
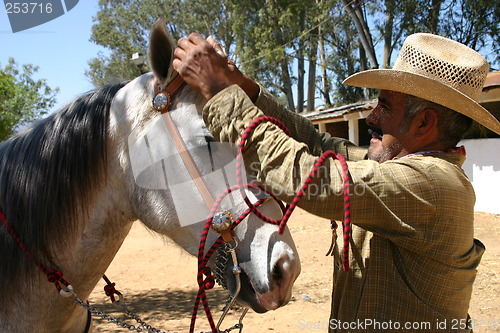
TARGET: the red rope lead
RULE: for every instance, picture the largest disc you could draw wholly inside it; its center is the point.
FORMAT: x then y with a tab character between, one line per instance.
204	277
290	208
53	276
110	290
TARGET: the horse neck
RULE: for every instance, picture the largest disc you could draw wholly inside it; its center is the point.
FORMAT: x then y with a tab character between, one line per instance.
83	263
102	221
104	229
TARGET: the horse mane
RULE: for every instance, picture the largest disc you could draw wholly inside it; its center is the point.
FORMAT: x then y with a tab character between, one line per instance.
44	171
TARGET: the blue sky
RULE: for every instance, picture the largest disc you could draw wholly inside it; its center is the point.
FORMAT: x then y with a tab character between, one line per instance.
61	48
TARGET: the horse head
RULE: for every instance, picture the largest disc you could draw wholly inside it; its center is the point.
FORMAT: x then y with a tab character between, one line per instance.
167	201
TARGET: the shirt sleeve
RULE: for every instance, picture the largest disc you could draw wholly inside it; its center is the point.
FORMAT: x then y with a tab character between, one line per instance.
300	128
303	130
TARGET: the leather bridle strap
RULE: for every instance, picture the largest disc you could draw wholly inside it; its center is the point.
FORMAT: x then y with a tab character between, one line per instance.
186	157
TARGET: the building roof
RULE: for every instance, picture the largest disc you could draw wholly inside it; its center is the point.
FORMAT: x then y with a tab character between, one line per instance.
340	112
492	79
491	91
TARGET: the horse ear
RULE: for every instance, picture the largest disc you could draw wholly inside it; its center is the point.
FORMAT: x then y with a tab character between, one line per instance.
161	51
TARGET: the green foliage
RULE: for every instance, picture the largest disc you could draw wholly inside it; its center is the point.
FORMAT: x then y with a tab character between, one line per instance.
273	40
22	98
123	28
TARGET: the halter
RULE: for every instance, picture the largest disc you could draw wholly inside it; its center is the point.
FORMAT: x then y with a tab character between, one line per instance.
221	220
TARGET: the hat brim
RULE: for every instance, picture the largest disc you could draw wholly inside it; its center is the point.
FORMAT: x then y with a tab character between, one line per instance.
426	88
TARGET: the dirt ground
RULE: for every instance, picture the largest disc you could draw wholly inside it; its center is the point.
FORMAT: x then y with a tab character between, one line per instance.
158	280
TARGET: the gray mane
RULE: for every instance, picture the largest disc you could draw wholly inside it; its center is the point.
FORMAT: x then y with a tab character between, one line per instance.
46	172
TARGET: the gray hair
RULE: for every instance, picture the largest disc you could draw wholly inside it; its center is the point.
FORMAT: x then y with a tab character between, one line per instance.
452	125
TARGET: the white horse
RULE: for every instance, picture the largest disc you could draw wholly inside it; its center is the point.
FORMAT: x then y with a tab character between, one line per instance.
69	191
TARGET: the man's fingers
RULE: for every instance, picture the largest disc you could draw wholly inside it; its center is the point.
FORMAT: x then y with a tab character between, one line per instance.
180	53
176	64
196	38
216	46
183	43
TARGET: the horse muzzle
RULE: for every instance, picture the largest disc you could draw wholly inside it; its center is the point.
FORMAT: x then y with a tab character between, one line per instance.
273	291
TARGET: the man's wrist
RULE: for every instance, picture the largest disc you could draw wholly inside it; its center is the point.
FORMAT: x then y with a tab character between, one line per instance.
251	88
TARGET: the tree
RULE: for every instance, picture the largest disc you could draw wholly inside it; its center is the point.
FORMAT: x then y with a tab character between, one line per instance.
123	28
474	23
276	41
22	98
266	37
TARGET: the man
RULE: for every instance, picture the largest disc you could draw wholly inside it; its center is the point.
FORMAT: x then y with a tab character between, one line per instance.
413	256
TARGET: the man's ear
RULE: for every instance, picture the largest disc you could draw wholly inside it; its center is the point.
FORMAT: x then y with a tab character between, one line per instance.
425	123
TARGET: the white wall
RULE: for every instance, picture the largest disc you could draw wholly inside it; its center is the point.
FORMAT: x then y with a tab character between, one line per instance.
482	166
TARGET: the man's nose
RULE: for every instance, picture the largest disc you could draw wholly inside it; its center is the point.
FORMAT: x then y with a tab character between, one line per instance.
373	118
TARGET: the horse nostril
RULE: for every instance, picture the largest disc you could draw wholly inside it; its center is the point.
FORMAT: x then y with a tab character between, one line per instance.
277	273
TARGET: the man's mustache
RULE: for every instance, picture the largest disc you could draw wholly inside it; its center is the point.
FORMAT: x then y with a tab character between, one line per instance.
376	132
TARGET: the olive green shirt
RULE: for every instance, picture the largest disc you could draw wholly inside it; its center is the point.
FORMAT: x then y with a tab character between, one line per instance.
413	255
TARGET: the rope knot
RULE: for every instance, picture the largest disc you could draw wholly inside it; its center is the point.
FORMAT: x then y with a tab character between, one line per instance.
209	282
206	271
109	289
54	276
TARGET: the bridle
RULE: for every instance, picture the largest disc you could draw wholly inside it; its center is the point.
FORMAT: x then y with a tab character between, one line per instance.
219	221
222	221
161	103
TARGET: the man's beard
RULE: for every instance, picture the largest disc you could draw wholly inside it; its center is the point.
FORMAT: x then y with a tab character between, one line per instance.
384	154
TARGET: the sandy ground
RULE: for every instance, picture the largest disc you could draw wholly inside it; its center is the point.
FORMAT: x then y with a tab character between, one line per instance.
158	280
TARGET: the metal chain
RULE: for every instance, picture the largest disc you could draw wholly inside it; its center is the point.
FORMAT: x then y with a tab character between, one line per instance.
236	326
222	255
143	326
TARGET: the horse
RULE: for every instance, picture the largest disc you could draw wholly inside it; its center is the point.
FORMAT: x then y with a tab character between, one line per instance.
69	191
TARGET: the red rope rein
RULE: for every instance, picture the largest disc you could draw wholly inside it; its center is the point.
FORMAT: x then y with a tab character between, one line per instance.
53	276
204	277
346	224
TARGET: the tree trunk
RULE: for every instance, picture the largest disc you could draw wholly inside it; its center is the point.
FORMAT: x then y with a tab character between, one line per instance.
325	85
301	65
285	78
311	80
388	28
364	33
434	15
287	85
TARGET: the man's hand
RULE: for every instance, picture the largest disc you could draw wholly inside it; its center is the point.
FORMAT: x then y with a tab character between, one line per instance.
201	66
204	66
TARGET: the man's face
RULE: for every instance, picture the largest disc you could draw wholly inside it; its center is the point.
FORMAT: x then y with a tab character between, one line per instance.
386	120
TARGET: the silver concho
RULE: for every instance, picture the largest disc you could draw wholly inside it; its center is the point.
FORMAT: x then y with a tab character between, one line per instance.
161	101
222	221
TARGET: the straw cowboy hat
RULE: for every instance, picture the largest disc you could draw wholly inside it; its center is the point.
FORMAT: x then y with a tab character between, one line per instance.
439	70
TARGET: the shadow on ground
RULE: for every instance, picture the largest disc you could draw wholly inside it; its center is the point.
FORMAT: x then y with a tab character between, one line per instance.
158	308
